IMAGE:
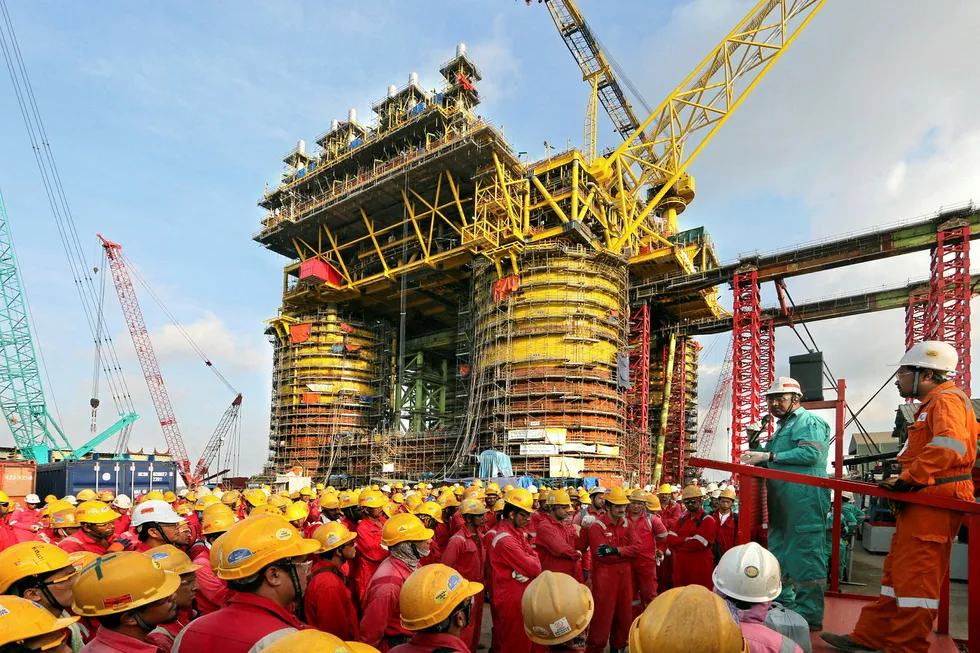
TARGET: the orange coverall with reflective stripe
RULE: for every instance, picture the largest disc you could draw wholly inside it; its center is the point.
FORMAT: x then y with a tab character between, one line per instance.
942	443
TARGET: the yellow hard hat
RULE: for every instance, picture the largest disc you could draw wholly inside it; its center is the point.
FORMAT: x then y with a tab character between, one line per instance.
371	499
30	559
218	522
94	512
473	506
169	497
279	502
448	500
653	502
306	492
404	528
508	488
557	608
256	497
231	497
216	508
329	501
640	496
172	559
332	535
57	506
319	486
431	594
266	509
685	619
81	559
458	491
155	495
399	485
727	493
617	497
298	510
26	621
295	495
118	582
50	498
413	502
86	495
64	518
520	498
106	496
183	510
360	647
390	509
347	499
558	498
308	641
665	489
691	492
493	488
250	545
191	497
205	501
474	493
497	507
398	497
476	483
376	487
430	508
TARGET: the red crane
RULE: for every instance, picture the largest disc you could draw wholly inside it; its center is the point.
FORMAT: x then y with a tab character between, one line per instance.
154	378
706	434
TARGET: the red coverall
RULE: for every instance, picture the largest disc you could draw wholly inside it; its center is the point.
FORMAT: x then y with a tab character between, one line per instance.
584	541
465	554
513	565
942	444
22	520
121	525
212	592
327	603
238	626
491	521
488	536
197	548
532	526
556	549
612	580
665	572
370	555
82	542
727	536
163	636
442	535
651	533
429	642
382	617
7	537
693	559
109	641
455	524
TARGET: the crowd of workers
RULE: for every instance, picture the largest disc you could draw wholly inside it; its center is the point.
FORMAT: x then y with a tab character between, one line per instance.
408	569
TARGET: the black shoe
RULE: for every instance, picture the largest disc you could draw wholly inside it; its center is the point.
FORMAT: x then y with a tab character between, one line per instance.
844	643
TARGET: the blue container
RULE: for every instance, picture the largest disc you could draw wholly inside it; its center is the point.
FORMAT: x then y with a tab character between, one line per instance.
437	99
417	109
302	172
124	476
357	142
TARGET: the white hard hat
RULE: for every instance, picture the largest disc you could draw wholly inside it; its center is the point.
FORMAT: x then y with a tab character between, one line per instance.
647	488
931	355
157	511
532	489
847	495
596	490
182	492
32	498
785	385
71	499
122	501
748	573
202	491
386	488
712	487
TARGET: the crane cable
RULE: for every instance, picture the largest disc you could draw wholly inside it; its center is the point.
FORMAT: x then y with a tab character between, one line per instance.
58	202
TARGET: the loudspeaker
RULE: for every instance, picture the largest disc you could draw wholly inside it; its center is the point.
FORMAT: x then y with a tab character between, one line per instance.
808	370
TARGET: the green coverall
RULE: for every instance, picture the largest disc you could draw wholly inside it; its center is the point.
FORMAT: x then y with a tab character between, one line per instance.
797	513
851	520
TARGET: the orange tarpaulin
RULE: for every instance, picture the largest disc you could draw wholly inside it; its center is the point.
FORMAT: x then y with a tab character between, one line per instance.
505	287
311	398
299	333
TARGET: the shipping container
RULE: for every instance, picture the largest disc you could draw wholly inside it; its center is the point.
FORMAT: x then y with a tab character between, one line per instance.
18	478
123	476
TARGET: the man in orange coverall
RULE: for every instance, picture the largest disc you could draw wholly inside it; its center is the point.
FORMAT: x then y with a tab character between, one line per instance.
465	554
693	541
614	543
555	541
370	553
513	564
938	459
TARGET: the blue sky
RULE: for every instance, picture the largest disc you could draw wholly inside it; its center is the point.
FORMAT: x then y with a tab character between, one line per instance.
167	119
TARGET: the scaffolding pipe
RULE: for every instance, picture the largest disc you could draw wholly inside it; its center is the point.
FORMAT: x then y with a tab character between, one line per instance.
662	435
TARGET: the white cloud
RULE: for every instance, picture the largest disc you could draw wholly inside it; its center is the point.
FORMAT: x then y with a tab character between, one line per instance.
225	348
896	177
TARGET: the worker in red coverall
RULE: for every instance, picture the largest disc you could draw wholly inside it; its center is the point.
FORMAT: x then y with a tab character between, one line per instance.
265	562
437	606
327	602
465	554
649	530
614	544
350	510
513	564
96	529
488	535
430	513
937	460
212	592
26	520
370	553
727	536
449	504
589	514
692	541
407	540
670	513
555	542
7	537
490	498
122	504
171	558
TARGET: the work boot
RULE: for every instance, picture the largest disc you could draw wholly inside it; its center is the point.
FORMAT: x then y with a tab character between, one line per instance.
844	643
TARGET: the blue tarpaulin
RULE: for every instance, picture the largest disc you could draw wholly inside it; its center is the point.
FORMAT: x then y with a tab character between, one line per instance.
623	371
495	463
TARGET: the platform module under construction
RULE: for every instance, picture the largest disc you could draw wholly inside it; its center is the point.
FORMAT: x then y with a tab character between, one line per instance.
444	297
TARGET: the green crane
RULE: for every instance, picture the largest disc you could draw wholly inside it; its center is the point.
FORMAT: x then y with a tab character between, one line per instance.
21	392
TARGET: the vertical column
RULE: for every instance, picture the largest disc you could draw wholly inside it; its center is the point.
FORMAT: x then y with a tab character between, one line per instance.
746	360
948	314
676	443
638	398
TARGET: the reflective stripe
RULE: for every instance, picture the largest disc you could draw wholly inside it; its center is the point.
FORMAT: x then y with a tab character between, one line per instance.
662	535
499	537
786	645
672	533
701	540
914	602
948	443
887	591
819	446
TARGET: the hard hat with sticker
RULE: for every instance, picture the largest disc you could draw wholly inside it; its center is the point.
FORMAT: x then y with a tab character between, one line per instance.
453	582
283	534
751	572
238	555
